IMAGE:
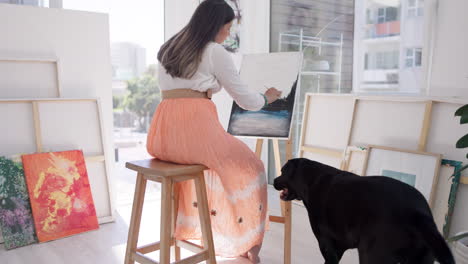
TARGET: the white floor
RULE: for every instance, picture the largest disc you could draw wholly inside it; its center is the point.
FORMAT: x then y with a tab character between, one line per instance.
107	245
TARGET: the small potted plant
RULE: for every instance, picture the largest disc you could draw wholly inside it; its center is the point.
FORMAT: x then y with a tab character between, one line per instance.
460	241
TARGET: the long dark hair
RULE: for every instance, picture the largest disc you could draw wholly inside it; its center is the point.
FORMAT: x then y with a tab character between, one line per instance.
182	53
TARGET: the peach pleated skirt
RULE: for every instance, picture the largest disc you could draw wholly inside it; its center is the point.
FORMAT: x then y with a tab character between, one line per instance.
187	131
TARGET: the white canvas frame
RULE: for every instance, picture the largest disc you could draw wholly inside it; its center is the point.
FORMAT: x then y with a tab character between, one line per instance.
424	165
296	96
354	160
425	137
40	118
36	60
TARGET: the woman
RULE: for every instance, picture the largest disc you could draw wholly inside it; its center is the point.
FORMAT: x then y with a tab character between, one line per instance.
185	129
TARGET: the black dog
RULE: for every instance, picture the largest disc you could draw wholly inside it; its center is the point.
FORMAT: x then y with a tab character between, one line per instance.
388	221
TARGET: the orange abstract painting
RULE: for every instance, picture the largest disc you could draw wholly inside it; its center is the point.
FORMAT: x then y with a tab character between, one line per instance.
60	194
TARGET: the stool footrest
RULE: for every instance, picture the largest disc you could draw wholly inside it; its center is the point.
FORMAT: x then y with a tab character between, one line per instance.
197	258
149	248
140	258
189	246
277	219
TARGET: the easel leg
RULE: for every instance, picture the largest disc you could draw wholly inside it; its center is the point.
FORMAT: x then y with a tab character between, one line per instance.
285	206
286	218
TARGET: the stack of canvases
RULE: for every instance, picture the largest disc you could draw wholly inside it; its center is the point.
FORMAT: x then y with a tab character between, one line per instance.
44	196
411	139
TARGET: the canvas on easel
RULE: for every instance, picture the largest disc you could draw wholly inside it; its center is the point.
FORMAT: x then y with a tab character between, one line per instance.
261	71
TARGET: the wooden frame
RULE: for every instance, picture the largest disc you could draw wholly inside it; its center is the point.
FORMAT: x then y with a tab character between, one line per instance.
38	59
347	161
99	158
435	178
426	120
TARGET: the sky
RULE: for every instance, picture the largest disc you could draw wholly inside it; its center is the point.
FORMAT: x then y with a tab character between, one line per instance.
137	21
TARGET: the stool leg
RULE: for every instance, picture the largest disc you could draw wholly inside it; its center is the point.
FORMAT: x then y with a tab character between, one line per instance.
205	222
135	220
175	209
166	215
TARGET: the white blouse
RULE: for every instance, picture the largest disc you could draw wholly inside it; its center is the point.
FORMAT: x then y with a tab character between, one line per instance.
216	70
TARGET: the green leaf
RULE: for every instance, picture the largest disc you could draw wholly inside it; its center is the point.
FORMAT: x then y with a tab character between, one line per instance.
462	142
464	119
462	111
457	237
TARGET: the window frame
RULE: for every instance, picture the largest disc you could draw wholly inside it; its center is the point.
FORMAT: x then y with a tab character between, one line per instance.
417	8
412	57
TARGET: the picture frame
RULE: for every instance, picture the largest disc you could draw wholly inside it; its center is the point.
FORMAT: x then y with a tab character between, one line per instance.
354	160
417	168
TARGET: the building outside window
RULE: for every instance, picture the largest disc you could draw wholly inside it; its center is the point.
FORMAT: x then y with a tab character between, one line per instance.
413	57
415	8
383	61
323	31
136	34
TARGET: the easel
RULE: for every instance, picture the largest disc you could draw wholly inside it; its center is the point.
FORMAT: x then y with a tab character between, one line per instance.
286	214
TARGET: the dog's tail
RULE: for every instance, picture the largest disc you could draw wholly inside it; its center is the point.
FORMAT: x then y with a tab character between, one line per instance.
436	242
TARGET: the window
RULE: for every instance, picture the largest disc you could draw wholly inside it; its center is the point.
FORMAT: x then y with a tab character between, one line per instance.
387	14
136	32
388	47
413	57
385	60
415	8
42	3
324	33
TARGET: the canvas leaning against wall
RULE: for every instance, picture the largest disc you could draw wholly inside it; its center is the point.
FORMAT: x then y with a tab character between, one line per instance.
261	71
16	220
60	194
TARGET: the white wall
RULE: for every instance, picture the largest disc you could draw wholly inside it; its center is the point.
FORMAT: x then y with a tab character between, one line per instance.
80	40
449	77
450	56
177	14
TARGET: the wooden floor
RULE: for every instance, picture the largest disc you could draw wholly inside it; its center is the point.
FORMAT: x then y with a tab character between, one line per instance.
107	245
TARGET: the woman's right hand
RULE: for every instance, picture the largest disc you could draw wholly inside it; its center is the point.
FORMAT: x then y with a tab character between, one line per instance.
272	94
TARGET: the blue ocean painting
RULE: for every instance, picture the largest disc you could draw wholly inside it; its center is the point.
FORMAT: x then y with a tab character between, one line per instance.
272	121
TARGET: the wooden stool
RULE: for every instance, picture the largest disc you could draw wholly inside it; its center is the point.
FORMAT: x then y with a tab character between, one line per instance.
167	174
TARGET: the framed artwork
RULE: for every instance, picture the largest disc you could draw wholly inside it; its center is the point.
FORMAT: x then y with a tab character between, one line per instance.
60	194
354	160
16	220
416	168
258	71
